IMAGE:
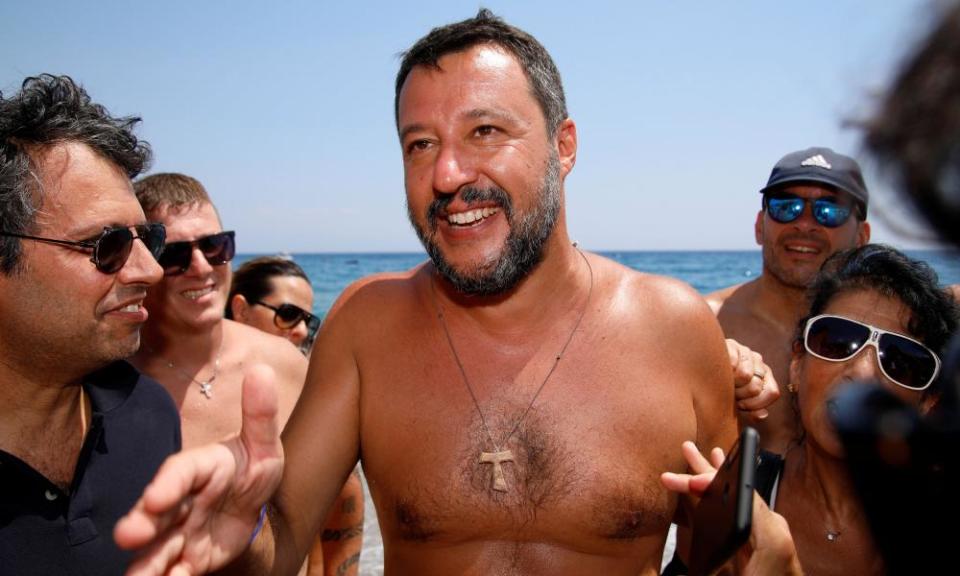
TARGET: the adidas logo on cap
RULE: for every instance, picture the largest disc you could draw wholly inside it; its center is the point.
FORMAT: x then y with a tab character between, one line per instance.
818	161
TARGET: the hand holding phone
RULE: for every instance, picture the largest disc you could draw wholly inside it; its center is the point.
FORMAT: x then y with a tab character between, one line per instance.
722	519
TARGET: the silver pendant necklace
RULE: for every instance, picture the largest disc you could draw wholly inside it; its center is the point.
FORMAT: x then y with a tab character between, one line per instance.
500	455
206	386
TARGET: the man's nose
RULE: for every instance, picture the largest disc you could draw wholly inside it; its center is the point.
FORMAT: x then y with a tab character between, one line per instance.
141	267
454	168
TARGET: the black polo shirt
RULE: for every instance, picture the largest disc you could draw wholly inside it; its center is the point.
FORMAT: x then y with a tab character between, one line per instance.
43	530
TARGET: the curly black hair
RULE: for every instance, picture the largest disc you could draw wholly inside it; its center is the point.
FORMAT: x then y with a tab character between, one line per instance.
47	111
933	311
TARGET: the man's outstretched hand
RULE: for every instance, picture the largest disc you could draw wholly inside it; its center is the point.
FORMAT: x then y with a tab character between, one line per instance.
200	510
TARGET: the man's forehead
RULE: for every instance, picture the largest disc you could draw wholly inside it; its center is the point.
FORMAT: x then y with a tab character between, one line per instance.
486	62
79	188
187	221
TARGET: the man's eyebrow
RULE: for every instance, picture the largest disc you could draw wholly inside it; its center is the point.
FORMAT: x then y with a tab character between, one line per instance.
493	113
406	130
474	114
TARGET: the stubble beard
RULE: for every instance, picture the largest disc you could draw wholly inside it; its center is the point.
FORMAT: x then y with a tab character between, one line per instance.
523	248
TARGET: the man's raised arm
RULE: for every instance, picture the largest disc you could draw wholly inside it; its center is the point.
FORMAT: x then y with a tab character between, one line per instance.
203	506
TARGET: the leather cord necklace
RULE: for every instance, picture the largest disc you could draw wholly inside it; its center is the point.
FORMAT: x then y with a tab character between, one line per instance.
499	454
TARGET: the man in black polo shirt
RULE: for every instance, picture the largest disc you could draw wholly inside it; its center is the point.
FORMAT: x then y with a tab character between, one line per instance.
81	431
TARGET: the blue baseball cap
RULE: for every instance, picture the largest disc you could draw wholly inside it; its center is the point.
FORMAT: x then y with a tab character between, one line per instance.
820	166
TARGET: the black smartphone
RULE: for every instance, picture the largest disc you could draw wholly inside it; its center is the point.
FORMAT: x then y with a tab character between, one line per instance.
722	519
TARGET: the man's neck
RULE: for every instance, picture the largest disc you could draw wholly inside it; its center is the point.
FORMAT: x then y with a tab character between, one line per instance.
777	302
35	404
182	347
556	284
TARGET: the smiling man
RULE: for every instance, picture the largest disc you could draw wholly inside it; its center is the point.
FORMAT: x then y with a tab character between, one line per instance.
202	358
81	432
814	204
513	400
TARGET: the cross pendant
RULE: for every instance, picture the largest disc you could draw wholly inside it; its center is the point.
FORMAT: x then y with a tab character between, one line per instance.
497	459
206	389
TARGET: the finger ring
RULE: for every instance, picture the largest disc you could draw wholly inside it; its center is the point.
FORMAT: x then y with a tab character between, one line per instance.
759	374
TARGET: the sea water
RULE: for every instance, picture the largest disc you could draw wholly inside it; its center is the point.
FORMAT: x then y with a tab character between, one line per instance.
705	271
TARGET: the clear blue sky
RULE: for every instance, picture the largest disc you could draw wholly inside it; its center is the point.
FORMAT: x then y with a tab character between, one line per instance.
284	110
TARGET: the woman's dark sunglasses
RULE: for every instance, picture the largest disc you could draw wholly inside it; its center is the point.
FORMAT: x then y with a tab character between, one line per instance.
287	316
903	360
217	248
785	208
112	248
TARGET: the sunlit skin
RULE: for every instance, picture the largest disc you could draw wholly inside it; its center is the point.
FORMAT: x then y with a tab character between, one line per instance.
488	131
583	493
816	494
188	329
62	318
793	252
88	317
816	379
284	290
192	301
763	313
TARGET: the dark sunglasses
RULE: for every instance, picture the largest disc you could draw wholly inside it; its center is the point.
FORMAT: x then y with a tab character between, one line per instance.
217	248
112	248
785	208
903	360
287	316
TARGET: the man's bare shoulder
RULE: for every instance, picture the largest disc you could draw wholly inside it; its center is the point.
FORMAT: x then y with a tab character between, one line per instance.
376	294
257	346
717	299
737	299
649	295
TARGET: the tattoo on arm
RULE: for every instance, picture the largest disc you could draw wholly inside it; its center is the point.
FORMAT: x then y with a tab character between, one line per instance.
343	568
343	534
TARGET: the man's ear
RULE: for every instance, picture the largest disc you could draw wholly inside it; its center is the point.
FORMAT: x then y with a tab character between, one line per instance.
758	229
566	142
863	233
239	307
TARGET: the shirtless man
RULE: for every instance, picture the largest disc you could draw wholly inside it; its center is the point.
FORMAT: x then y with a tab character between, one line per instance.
201	357
814	204
513	400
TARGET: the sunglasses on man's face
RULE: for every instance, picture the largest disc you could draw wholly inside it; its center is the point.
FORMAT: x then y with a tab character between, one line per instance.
112	248
287	316
217	248
827	210
902	360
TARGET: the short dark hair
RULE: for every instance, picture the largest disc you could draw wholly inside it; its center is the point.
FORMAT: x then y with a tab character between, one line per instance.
169	189
486	28
48	111
933	311
914	131
252	278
